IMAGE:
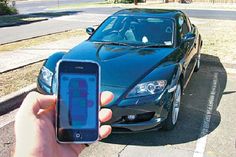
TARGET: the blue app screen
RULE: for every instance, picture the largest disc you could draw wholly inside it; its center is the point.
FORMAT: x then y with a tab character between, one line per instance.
78	101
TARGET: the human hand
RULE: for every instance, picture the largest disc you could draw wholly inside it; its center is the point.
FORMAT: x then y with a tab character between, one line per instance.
35	131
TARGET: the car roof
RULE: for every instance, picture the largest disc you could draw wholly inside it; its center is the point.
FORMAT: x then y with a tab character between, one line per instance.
167	13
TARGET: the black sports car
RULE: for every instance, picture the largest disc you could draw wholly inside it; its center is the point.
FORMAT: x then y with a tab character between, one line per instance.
147	57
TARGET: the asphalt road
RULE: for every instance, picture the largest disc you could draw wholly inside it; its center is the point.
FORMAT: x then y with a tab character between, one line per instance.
84	18
197	13
25	7
41	6
206	125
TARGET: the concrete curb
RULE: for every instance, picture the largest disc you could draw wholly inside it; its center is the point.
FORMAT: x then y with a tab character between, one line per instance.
13	100
23	65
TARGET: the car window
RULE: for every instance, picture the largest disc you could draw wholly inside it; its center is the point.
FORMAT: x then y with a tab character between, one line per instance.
189	24
183	26
136	30
110	25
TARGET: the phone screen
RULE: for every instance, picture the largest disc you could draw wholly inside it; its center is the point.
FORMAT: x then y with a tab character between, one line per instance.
78	97
77	107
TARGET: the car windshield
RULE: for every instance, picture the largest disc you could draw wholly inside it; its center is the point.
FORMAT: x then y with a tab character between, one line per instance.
138	31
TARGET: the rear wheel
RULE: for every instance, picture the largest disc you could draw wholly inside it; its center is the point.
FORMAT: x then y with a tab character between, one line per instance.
173	114
197	67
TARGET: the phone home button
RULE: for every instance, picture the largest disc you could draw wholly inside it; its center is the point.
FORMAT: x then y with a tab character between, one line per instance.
77	135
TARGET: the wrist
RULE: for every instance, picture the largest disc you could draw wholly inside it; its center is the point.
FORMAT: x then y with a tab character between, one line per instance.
22	151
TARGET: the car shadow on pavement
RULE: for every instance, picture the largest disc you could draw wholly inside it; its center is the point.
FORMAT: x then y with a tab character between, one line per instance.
198	97
22	19
54	14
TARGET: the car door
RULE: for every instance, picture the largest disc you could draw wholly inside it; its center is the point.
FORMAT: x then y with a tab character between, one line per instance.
188	48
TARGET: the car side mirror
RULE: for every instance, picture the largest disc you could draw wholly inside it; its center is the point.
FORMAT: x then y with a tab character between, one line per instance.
90	30
189	37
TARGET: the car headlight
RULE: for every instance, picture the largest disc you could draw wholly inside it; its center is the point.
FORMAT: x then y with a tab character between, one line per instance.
46	76
147	88
54	84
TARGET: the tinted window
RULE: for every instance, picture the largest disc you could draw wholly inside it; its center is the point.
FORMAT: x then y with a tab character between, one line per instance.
183	26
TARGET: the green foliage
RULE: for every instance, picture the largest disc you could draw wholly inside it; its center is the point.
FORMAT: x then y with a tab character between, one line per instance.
5	9
4	1
126	1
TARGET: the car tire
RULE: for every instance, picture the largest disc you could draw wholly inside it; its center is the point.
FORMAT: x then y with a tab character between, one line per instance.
173	114
197	67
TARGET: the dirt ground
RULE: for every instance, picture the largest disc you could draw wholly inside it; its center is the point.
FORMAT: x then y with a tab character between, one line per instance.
19	78
219	38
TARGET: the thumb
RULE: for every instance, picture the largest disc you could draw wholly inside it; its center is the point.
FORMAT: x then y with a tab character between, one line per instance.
35	101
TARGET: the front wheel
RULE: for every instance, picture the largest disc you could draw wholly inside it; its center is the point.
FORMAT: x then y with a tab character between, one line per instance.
173	114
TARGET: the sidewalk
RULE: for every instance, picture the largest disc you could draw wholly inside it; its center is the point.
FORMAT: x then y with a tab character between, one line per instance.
22	57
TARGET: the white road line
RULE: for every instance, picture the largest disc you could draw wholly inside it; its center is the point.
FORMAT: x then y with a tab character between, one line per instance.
201	142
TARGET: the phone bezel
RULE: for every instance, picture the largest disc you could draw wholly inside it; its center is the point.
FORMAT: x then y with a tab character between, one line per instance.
72	131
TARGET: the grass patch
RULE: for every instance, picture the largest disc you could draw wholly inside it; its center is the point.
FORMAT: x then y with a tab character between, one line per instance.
17	79
218	38
42	40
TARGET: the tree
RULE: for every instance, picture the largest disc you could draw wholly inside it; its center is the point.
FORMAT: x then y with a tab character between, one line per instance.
5	9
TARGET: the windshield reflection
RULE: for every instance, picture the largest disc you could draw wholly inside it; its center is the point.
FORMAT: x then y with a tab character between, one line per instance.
136	31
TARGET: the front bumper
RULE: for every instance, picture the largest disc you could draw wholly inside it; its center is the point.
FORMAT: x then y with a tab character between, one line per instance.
150	111
139	114
42	87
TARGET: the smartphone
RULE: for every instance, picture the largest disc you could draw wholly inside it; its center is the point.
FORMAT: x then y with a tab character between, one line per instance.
77	101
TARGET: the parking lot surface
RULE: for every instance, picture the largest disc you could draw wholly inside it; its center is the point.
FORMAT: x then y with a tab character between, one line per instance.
206	125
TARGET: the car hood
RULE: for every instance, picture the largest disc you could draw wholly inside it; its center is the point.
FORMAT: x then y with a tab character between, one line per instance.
121	66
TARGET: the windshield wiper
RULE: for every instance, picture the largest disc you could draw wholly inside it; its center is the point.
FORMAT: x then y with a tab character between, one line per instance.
154	46
113	43
136	46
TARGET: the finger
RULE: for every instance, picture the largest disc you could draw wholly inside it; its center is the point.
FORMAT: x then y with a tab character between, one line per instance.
35	101
105	114
44	102
104	131
106	97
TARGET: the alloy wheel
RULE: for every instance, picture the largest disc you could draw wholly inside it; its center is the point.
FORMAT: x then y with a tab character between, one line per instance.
176	104
198	60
